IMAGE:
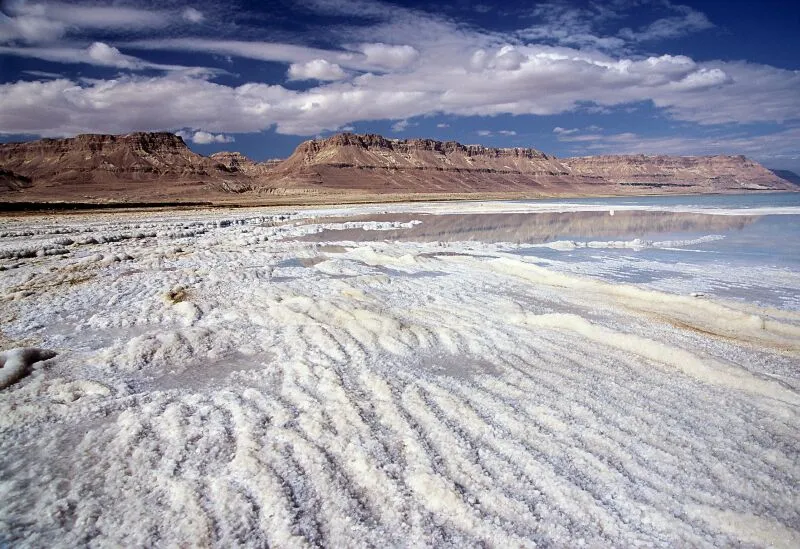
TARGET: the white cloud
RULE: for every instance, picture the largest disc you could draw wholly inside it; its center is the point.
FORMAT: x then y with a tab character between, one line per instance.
205	138
442	125
47	22
387	56
192	15
98	53
362	57
549	81
581	138
318	69
402	125
687	22
30	29
588	26
425	65
44	74
91	16
262	51
488	133
104	54
576	135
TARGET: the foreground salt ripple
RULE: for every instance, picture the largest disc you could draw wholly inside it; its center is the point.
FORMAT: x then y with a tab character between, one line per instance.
219	383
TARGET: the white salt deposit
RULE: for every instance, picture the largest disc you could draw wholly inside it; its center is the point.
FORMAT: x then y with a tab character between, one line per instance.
17	363
218	382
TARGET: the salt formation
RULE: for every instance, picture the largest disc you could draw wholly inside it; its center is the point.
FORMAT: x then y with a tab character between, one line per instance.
221	382
17	363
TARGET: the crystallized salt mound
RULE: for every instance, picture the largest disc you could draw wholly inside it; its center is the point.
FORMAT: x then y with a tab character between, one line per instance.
17	363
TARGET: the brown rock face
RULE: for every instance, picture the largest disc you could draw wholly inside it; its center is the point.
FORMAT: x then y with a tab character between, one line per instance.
10	181
714	172
236	162
372	163
94	158
375	151
159	167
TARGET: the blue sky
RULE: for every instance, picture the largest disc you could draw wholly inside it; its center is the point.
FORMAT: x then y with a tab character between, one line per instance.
568	78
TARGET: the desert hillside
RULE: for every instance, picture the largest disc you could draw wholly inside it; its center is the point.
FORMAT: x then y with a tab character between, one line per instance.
159	167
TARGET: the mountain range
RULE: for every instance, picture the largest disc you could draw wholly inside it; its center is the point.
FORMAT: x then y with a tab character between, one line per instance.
159	168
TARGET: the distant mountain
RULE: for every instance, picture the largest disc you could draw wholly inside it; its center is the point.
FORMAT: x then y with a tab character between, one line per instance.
377	164
96	157
159	167
787	175
139	166
236	162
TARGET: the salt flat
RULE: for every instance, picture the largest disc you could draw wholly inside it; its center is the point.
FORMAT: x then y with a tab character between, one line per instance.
249	378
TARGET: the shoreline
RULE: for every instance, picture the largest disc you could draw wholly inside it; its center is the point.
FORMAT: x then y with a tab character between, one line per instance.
22	208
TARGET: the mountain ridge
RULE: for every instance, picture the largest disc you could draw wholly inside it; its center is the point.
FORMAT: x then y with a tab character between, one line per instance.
160	166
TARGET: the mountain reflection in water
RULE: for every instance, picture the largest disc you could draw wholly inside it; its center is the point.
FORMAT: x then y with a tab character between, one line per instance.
535	228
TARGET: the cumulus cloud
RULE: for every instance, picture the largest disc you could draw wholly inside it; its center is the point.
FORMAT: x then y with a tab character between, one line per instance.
103	54
318	69
205	138
424	65
549	81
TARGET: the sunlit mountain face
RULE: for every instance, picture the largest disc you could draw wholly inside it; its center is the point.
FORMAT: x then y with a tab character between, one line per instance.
569	78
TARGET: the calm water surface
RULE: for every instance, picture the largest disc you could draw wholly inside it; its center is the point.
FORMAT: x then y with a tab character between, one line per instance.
742	254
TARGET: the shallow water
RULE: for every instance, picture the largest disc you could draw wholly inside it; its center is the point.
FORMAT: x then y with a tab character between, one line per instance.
652	242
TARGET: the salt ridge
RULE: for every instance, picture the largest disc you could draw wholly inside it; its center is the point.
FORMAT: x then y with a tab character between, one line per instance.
220	383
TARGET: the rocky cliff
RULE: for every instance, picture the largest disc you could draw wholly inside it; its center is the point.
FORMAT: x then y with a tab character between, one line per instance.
375	151
377	164
236	162
722	172
160	167
96	158
10	181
